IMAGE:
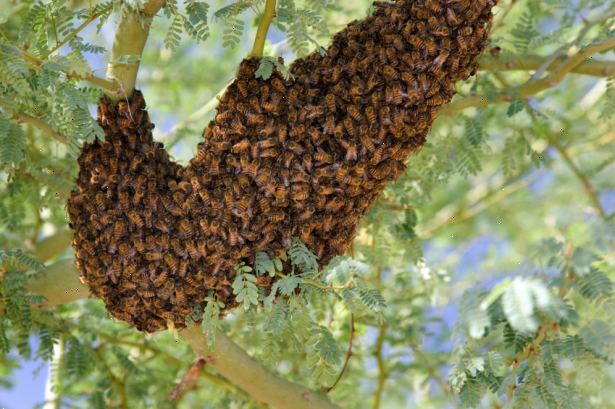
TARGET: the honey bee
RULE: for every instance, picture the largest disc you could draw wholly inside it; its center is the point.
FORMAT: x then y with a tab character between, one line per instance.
178	248
147	293
282	133
293	96
385	118
234	237
349	126
307	162
192	250
237	127
171	262
263	177
95	223
390	73
466	31
134	217
354	112
415	41
275	217
372	82
153	256
255	120
394	94
127	285
280	193
242	87
269	153
452	18
160	279
265	92
377	155
323	157
214	166
278	85
440	59
119	228
336	73
135	162
370	113
100	201
224	116
220	146
183	268
330	102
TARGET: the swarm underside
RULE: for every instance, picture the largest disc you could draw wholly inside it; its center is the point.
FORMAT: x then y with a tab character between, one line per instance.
303	157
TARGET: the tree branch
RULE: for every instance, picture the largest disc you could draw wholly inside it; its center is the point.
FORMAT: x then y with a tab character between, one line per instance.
348	355
245	372
60	284
130	37
263	28
39	124
37	63
76	31
531	87
528	62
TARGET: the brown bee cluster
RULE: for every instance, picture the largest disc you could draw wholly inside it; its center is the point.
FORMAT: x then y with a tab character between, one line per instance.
303	157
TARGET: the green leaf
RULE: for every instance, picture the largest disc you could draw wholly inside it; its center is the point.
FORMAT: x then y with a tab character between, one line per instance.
289	284
245	290
470	393
265	68
12	143
515	107
173	37
302	258
264	265
372	299
211	321
595	286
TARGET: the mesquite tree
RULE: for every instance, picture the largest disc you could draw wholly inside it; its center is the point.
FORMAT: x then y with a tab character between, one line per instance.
317	248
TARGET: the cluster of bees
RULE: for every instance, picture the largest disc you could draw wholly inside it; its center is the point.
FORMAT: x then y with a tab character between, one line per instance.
300	157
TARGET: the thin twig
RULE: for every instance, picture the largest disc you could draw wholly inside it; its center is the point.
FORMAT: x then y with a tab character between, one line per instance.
115	381
543	331
587	185
528	62
76	31
587	26
502	17
348	355
39	124
195	116
37	64
383	374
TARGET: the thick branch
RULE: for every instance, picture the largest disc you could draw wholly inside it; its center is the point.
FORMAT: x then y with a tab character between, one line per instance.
130	37
263	28
528	62
245	372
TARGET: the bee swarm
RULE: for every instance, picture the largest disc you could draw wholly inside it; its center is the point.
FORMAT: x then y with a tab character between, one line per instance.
303	157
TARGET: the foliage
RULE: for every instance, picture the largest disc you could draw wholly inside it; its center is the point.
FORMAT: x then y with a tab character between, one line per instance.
494	238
